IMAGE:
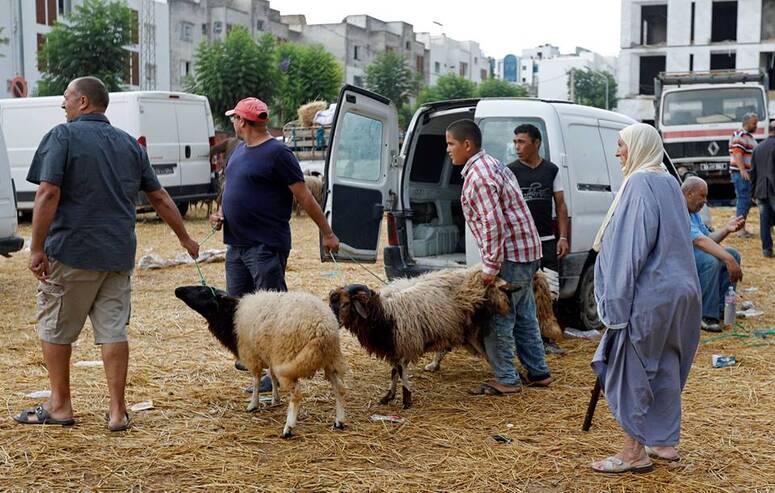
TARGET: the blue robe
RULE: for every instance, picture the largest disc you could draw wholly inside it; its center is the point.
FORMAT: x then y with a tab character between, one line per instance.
648	295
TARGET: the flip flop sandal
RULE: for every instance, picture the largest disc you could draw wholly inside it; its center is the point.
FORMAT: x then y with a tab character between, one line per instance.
484	389
654	455
614	465
43	417
123	427
535	383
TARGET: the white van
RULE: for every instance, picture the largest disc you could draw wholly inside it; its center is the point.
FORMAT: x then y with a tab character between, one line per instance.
175	128
419	189
9	242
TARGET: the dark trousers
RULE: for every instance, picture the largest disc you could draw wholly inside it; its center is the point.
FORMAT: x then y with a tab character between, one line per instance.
256	268
549	259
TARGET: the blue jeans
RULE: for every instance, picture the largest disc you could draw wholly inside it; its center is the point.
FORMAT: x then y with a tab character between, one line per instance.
256	268
766	218
519	326
714	282
743	194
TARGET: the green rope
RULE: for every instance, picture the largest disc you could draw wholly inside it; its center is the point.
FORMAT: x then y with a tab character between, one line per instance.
360	264
196	263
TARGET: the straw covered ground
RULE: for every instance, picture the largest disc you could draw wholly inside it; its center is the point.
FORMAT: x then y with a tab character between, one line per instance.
198	437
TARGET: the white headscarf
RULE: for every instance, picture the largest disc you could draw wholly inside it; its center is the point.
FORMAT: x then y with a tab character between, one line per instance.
644	153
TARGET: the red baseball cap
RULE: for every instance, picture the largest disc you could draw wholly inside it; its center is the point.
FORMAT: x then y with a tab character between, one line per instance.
252	109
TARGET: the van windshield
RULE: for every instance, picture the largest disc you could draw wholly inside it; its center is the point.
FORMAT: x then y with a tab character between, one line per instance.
498	137
712	105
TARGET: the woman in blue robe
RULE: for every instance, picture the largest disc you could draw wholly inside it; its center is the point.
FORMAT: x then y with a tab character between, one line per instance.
648	296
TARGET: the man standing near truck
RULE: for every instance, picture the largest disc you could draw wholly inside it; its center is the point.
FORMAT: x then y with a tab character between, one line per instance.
741	147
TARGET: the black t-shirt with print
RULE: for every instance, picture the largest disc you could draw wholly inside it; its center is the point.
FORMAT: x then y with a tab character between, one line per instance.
538	189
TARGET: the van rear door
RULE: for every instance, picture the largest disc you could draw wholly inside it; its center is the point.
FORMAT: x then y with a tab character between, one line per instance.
361	172
194	145
159	128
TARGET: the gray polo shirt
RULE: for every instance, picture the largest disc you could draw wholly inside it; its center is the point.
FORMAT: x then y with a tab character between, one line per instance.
100	170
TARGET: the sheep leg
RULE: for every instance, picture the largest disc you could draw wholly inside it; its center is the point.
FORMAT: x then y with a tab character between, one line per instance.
338	387
275	389
406	395
391	393
254	400
293	408
435	365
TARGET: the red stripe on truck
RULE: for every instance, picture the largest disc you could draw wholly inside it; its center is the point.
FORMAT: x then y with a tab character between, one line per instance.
724	133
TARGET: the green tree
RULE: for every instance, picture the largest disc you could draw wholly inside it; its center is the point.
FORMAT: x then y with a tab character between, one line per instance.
449	86
591	88
90	41
3	40
307	73
496	88
390	76
230	70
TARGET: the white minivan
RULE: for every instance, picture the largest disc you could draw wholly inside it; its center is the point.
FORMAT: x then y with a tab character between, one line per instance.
175	128
9	242
417	189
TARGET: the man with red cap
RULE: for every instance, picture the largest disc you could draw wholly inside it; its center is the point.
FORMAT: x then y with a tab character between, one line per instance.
262	179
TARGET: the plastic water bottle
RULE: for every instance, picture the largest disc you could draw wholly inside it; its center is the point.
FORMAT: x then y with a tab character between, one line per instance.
730	308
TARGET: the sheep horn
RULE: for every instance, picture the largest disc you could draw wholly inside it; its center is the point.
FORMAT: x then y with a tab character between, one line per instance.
354	288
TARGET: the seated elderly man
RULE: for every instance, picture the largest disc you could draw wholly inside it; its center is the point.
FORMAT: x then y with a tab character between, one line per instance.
718	267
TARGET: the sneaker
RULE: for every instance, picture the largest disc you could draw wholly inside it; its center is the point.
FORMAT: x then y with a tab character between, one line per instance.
264	386
551	347
767	253
710	325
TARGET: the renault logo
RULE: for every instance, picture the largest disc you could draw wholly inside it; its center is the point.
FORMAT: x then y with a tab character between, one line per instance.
713	148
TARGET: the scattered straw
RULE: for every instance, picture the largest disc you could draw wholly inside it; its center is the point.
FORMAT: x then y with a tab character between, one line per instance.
198	437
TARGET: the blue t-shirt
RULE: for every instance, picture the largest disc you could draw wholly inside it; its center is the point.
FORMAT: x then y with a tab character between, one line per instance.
697	228
100	169
256	199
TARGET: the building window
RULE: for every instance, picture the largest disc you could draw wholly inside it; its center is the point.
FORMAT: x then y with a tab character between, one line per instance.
185	68
46	11
723	61
768	27
476	60
419	64
650	67
217	27
463	69
483	74
135	34
389	49
724	22
186	32
204	29
259	25
356	52
150	72
63	7
41	42
692	22
436	67
132	68
408	45
691	62
653	24
358	80
229	27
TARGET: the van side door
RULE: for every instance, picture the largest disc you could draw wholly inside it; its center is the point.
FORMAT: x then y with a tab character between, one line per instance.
193	146
159	128
361	172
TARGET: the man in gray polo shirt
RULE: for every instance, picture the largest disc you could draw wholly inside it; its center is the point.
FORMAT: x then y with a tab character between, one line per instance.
83	244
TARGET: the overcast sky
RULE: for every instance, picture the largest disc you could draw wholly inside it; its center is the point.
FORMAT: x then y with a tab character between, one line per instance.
500	27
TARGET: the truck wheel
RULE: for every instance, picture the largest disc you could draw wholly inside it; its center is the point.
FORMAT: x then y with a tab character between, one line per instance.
182	207
586	301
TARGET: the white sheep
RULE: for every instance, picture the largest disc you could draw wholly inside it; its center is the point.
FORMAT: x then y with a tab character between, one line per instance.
293	334
409	317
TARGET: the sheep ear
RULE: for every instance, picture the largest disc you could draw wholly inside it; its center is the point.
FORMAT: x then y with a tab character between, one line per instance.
507	287
359	308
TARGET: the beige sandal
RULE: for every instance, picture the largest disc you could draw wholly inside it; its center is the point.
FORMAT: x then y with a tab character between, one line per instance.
615	465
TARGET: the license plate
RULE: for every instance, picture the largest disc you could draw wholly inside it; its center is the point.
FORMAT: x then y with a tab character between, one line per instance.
713	166
163	169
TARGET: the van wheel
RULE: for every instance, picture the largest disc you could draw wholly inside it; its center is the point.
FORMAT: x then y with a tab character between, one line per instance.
182	207
586	301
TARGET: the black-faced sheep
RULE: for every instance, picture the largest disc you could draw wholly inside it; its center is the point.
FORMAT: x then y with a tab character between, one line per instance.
547	321
292	334
409	317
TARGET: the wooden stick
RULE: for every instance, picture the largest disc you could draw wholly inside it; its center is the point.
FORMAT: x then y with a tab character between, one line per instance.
592	405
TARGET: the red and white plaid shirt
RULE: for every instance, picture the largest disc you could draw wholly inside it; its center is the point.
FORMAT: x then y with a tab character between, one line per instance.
497	214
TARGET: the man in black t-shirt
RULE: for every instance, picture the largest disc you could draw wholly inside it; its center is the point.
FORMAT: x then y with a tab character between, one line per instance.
541	184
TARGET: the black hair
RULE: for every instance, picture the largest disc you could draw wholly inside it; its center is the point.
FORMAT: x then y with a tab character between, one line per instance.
94	90
466	129
529	129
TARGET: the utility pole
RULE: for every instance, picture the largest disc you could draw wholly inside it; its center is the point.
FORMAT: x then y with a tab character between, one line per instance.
573	85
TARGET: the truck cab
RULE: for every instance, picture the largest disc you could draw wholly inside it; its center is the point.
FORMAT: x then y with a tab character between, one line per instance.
697	113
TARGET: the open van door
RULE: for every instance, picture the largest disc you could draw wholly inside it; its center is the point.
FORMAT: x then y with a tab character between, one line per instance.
361	172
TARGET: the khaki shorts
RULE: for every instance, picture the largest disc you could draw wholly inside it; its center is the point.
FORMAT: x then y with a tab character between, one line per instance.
70	294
